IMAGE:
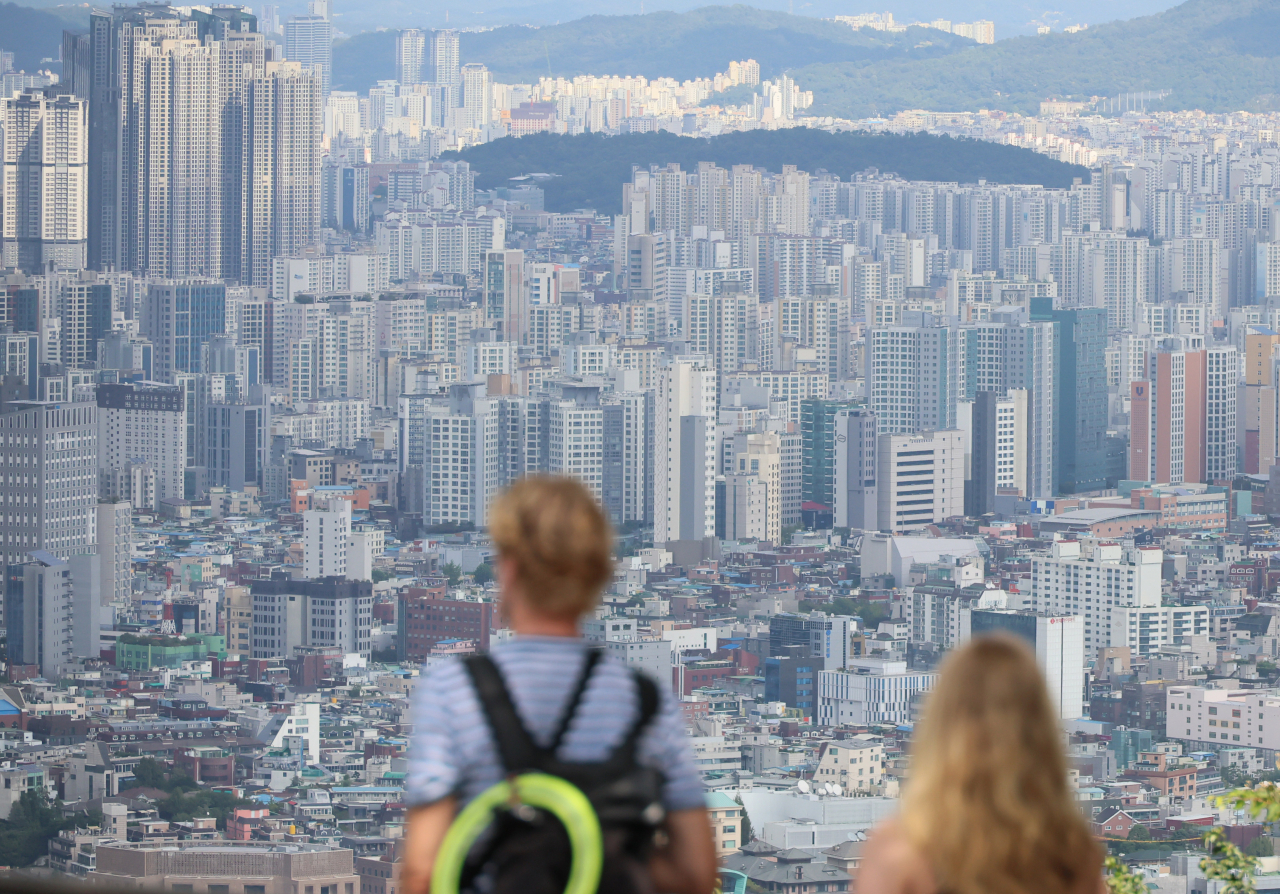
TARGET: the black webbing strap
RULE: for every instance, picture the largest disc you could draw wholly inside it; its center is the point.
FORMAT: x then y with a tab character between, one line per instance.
584	679
648	691
518	750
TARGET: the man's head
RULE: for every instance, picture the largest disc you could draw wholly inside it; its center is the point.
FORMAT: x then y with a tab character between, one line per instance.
555	542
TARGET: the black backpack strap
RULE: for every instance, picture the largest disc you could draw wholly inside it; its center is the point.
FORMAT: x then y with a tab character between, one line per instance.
647	690
571	708
515	746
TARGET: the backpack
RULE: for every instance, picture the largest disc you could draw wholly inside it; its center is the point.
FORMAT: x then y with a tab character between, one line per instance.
528	850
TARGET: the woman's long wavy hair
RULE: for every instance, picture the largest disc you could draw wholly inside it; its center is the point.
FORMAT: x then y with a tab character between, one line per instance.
987	802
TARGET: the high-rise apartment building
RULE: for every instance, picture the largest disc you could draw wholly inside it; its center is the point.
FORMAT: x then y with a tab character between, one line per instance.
913	375
144	425
282	180
52	611
477	96
1184	414
1096	579
411	48
115	551
326	534
309	40
684	451
48	457
44	181
460	458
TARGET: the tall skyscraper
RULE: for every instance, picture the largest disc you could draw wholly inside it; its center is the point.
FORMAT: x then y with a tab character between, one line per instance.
309	40
477	95
44	182
282	183
178	317
411	47
48	457
445	75
913	373
685	451
173	195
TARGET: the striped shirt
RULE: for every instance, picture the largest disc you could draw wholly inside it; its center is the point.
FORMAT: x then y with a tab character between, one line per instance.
453	753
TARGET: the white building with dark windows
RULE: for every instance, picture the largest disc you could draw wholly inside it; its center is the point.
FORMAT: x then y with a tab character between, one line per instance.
144	424
870	690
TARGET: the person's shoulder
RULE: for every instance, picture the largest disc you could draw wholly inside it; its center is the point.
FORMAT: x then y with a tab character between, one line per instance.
892	864
444	675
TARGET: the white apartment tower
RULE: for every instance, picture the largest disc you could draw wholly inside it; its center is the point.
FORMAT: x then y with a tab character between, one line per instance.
326	535
144	425
685	451
48	454
913	375
44	182
411	48
1095	578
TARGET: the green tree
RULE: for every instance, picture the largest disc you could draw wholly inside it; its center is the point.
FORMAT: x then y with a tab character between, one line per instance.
747	833
1139	832
1262	846
384	656
355	691
1225	862
1121	879
33	820
483	573
452	573
149	773
381	574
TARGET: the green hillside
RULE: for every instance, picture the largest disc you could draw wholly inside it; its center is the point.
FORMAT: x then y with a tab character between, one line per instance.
1210	54
36	34
594	167
661	44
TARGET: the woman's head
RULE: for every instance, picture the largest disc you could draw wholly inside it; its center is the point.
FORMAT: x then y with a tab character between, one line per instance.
987	802
555	543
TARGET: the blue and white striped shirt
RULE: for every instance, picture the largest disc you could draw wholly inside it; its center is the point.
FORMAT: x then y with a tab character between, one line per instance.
453	753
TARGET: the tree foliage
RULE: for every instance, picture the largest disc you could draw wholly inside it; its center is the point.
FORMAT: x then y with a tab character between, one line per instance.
483	573
871	613
1225	862
1139	832
33	820
1121	879
452	573
594	166
1262	846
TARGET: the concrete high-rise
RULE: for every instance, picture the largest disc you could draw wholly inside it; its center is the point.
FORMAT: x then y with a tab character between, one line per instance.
309	40
913	374
477	96
919	479
855	496
282	182
44	182
685	451
411	48
48	457
144	425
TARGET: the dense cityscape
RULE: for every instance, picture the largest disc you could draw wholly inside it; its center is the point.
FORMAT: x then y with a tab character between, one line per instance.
270	349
